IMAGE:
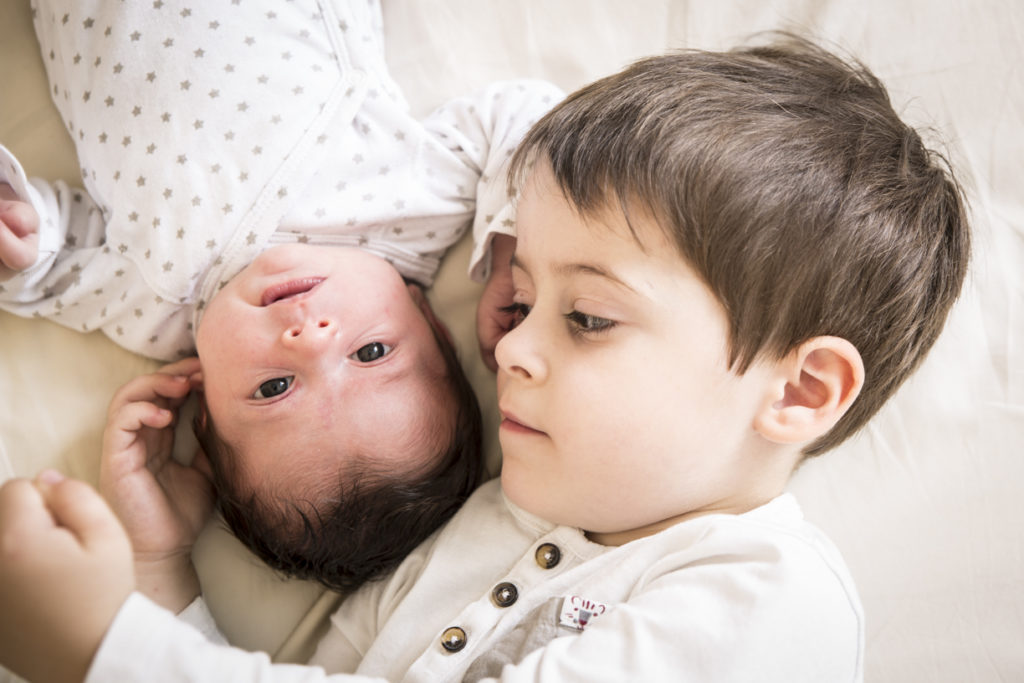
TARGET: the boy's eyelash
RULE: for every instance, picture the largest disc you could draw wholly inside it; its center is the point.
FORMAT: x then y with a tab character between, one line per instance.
583	323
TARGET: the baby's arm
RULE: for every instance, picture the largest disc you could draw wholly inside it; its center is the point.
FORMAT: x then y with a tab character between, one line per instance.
65	570
19	233
163	504
493	317
61	230
483	130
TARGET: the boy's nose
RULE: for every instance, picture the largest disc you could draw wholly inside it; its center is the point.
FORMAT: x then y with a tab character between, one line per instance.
521	353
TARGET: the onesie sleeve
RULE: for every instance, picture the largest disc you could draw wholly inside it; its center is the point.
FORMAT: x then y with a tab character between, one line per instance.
483	130
70	223
44	199
148	643
84	280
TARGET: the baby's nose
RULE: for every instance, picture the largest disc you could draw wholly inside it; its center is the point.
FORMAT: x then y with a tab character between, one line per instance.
311	332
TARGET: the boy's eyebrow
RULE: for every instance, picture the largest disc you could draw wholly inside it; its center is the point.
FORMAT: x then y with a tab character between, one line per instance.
577	268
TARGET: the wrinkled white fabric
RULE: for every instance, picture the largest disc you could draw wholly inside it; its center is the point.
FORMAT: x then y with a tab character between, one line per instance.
759	596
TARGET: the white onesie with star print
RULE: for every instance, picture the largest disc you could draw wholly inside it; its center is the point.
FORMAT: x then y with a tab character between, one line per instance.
209	131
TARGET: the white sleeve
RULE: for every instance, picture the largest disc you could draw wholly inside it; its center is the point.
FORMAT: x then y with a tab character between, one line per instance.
483	130
197	613
69	221
149	644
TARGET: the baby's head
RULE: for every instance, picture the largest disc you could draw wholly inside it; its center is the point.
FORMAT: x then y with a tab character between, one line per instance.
765	202
338	422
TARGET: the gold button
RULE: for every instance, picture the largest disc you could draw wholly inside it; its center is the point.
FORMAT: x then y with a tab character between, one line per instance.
453	639
505	594
548	555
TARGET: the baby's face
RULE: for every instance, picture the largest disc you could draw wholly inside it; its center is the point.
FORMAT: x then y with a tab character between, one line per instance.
312	355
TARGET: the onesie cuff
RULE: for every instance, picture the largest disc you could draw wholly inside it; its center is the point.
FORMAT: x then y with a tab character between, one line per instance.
501	223
42	199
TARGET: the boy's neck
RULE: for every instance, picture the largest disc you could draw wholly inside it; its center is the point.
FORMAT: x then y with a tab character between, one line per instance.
760	486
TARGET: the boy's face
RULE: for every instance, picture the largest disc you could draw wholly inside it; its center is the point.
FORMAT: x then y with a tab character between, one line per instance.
311	355
621	415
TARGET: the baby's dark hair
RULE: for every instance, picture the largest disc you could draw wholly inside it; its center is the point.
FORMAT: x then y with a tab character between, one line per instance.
379	517
790	185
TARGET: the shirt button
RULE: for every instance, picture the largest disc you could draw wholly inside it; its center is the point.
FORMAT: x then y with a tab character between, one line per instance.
505	594
548	555
453	639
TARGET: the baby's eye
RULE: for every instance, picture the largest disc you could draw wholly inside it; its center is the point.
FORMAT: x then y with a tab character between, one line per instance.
371	352
274	387
518	311
583	323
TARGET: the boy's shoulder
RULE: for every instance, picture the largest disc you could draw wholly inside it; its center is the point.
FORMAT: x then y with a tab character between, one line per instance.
775	534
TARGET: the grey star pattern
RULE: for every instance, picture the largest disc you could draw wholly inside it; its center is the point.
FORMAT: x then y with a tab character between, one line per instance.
198	172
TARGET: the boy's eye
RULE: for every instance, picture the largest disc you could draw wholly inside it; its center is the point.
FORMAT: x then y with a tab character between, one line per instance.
274	387
582	322
371	352
518	312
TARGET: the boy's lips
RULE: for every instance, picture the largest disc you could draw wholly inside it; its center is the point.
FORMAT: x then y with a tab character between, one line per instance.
289	289
512	423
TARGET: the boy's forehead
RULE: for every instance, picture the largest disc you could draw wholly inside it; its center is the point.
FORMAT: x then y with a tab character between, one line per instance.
609	215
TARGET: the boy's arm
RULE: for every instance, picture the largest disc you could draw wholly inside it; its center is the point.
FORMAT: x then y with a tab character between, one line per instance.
68	611
65	570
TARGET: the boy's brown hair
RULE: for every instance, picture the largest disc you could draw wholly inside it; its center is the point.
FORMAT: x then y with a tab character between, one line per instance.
379	516
787	181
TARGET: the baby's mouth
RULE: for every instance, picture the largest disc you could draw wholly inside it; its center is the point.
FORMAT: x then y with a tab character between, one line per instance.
288	290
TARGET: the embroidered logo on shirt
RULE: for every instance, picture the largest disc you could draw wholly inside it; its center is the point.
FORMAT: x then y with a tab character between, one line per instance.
577	611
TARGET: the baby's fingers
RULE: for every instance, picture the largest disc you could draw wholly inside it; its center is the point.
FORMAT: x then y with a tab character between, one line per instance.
132	417
19	235
124	449
186	366
151	387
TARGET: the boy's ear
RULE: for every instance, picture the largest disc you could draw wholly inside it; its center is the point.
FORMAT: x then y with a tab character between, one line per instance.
817	383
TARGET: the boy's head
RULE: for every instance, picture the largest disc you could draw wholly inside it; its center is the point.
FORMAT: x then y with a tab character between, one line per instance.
827	242
337	419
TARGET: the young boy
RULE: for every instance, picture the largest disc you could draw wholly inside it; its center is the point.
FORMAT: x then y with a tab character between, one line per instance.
259	193
725	263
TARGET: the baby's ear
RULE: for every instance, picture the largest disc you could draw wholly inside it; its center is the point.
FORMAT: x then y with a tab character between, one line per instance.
816	384
420	297
202	413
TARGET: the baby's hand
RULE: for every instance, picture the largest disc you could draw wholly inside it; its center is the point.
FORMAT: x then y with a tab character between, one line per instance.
65	571
492	320
19	233
162	503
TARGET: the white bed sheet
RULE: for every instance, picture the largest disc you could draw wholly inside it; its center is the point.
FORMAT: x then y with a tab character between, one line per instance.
923	503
